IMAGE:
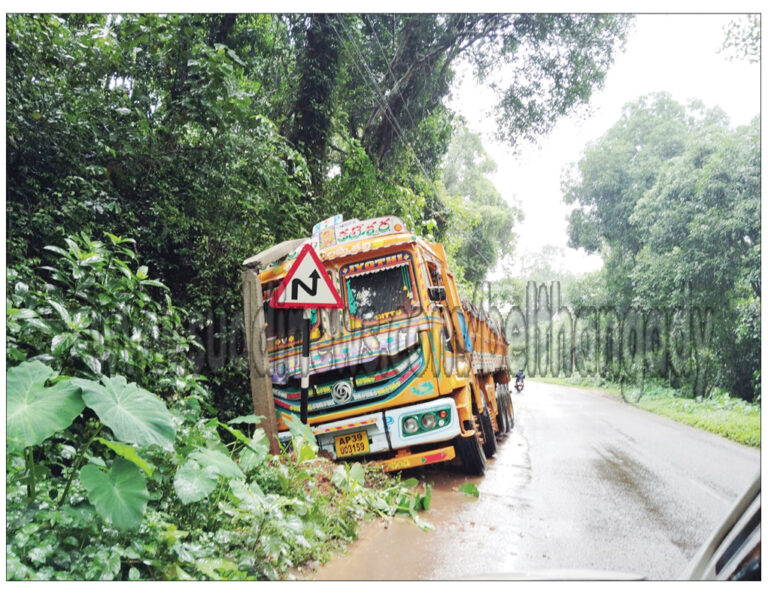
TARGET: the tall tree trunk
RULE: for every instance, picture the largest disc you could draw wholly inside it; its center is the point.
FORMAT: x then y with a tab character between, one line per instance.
221	29
314	104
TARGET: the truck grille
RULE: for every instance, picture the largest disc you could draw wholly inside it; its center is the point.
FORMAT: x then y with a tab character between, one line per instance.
336	390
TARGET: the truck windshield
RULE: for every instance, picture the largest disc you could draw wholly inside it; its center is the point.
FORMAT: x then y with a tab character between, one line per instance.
380	292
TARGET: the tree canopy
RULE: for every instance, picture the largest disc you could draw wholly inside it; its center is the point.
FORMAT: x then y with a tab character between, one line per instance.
670	196
484	233
209	137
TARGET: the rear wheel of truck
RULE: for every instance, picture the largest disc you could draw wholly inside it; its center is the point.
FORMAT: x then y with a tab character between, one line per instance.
489	438
510	411
469	450
502	418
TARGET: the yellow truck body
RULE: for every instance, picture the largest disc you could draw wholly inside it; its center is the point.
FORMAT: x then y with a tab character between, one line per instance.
406	374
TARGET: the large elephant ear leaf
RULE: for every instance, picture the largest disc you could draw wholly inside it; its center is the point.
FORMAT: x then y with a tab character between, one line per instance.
119	495
193	483
133	414
217	463
35	412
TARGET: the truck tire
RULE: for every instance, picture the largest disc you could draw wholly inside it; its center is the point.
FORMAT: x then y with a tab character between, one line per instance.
502	418
510	411
489	438
471	454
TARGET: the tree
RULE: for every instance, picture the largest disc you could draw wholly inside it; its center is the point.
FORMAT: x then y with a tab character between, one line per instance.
701	228
671	197
144	125
614	174
742	39
486	232
395	71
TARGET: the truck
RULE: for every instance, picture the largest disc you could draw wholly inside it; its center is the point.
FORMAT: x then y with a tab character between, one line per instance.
407	373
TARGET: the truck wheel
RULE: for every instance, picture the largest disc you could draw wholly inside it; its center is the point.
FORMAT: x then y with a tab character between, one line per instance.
510	411
489	439
471	454
502	418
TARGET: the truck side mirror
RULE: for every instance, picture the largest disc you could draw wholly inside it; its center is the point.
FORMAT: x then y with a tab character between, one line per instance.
436	293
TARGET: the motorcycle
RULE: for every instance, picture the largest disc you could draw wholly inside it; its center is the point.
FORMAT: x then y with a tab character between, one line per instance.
519	385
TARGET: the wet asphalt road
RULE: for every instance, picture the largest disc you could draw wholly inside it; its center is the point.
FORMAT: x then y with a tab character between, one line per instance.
584	482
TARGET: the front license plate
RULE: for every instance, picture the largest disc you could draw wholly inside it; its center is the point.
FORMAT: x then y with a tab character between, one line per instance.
355	443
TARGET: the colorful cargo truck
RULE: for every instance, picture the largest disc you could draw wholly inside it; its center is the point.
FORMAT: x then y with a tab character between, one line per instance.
406	373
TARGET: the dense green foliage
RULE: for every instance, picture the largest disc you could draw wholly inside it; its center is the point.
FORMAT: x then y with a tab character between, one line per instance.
95	312
482	233
670	196
210	137
106	480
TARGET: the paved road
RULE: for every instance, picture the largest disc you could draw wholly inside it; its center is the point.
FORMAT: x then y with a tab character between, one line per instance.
585	482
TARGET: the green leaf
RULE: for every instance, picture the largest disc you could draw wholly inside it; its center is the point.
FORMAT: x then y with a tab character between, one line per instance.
192	483
120	495
129	453
39	324
61	343
410	483
469	489
21	314
426	500
91	362
133	414
35	412
304	440
58	250
248	419
256	451
172	534
61	310
250	495
156	283
340	477
356	474
217	462
211	567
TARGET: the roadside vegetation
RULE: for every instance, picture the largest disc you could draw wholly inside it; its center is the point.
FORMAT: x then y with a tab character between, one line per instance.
720	413
116	464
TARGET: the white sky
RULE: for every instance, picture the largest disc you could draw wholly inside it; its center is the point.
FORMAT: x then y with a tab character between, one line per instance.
674	53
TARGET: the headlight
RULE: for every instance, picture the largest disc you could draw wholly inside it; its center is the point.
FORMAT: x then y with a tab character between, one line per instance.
428	421
410	425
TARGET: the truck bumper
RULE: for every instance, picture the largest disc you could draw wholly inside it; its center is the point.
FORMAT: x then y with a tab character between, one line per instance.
401	462
384	431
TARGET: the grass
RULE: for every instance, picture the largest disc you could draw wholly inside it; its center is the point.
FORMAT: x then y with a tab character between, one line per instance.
730	417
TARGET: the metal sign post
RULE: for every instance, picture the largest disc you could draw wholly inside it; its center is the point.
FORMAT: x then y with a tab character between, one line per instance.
305	365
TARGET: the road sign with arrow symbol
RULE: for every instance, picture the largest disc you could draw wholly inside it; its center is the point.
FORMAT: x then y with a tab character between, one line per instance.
307	285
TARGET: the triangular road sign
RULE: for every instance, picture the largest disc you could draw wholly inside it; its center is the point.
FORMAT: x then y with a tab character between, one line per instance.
307	285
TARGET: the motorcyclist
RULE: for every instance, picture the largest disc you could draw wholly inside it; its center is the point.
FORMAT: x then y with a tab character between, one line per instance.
520	376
